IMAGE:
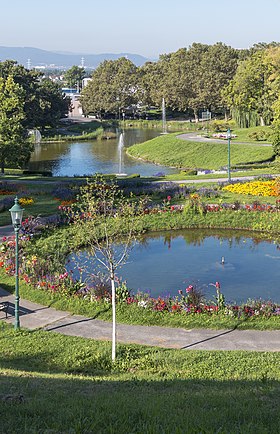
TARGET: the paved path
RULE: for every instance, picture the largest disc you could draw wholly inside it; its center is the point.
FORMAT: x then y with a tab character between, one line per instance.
199	138
35	316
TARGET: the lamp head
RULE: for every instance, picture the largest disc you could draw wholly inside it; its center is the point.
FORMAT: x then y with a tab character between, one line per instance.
16	214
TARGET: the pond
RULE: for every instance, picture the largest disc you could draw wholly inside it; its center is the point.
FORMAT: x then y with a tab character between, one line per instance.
163	263
99	156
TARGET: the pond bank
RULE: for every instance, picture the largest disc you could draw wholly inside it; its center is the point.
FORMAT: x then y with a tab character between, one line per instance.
34	316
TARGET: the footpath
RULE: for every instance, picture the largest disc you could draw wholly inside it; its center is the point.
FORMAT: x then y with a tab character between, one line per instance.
35	316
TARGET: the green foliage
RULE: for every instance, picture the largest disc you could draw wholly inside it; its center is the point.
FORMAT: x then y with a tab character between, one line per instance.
74	77
15	149
260	135
111	89
252	93
44	104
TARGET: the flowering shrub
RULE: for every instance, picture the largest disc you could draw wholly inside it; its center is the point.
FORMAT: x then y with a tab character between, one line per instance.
255	188
25	201
8	188
43	274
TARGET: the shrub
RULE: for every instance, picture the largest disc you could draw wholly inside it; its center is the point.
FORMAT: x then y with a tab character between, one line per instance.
260	135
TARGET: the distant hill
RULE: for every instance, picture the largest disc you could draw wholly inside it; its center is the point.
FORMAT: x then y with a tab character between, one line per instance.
40	57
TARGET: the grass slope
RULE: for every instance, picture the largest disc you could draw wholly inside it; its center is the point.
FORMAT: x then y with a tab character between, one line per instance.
59	384
172	151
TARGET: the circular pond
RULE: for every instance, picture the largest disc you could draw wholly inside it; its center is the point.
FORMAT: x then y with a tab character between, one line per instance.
163	263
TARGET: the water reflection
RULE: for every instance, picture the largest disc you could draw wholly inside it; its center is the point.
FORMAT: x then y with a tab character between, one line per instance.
165	262
84	158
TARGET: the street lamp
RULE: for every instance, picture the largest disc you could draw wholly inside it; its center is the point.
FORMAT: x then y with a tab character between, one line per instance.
229	137
16	215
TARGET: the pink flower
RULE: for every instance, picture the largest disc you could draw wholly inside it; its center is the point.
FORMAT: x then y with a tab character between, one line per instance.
217	284
189	288
169	198
180	291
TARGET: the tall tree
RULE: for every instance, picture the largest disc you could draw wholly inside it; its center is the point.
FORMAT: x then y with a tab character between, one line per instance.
15	148
113	87
74	77
211	69
44	103
52	104
255	87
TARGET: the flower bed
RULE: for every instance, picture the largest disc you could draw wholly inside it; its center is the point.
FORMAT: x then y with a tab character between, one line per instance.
255	188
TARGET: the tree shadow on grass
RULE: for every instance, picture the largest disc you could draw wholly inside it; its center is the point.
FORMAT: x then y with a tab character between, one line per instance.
121	406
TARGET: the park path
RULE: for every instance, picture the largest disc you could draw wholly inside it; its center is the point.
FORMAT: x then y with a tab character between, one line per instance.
35	316
199	138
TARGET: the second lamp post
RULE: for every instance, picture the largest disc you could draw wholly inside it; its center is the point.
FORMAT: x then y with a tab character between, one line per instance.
228	138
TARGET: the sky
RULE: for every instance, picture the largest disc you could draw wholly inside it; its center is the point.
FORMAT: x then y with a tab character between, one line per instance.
146	27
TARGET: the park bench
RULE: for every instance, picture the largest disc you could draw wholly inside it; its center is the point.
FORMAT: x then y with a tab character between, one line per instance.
4	305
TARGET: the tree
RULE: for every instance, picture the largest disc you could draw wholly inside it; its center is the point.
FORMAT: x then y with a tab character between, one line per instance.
211	69
113	88
255	87
44	103
108	223
52	104
15	148
74	77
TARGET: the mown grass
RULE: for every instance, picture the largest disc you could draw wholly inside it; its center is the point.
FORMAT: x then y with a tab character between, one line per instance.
270	169
55	383
172	151
44	205
243	134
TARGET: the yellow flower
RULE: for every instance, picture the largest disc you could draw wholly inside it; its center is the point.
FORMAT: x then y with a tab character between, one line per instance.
26	201
254	188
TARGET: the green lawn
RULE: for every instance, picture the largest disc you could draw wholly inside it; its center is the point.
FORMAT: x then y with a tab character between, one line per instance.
52	383
44	205
243	134
171	151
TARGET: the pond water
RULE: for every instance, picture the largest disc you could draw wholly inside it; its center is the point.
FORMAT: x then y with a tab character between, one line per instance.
98	156
163	263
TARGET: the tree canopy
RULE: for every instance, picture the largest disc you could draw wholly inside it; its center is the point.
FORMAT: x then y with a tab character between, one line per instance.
74	76
44	103
112	88
15	148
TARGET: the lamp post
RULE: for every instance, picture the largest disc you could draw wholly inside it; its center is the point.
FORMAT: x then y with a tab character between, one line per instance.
229	137
16	215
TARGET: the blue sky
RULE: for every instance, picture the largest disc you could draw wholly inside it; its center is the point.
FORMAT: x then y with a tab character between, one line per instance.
147	27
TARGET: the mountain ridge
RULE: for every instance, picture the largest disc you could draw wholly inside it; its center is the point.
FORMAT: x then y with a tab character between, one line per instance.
40	57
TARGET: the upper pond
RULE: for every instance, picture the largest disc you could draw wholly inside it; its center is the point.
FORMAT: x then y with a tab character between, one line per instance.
163	263
99	156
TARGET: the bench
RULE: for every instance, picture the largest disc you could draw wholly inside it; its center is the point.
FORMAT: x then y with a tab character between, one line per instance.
4	305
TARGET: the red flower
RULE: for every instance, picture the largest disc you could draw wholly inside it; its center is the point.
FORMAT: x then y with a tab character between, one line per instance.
217	284
189	288
169	198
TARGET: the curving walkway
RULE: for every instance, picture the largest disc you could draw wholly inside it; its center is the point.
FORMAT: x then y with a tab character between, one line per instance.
198	138
35	316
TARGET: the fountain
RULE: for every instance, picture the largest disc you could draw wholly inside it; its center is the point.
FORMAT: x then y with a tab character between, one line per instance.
164	127
36	135
120	155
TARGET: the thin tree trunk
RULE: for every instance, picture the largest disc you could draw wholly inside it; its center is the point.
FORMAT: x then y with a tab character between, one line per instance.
113	315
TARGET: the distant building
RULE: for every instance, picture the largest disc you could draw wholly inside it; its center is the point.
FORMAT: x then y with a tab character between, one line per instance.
76	108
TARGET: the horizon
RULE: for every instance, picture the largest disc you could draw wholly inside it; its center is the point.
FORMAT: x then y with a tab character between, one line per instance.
148	29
